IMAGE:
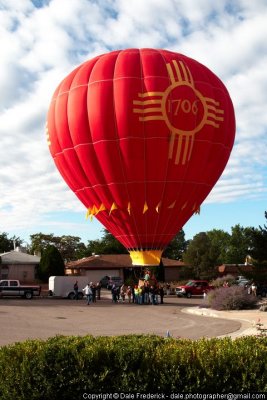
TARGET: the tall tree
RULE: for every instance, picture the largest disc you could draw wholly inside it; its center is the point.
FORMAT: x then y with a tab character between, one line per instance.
238	246
258	252
258	245
177	247
219	240
40	241
70	247
108	244
51	263
199	255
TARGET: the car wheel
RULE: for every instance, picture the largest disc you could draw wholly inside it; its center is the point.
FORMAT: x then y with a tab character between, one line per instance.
80	296
188	295
71	295
28	295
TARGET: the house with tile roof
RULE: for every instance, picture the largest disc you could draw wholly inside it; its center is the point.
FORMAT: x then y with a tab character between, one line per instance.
234	269
98	266
17	264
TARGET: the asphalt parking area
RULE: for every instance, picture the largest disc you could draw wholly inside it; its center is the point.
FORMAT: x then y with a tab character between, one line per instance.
45	317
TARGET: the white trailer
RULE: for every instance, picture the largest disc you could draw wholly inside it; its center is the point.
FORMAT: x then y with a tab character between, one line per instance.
62	286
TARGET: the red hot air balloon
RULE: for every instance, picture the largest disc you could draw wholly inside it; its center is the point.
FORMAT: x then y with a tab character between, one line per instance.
141	136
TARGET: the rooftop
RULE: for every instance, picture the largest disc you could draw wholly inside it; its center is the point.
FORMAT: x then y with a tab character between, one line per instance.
18	257
114	260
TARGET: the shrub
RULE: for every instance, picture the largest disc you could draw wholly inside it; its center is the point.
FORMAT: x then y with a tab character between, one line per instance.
231	298
66	367
220	281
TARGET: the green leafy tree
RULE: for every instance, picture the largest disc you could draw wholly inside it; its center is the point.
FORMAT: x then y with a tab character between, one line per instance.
238	246
258	252
40	241
51	264
258	244
7	244
108	244
112	245
199	255
177	247
70	247
219	240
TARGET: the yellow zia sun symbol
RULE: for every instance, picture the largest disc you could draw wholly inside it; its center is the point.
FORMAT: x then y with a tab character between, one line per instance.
182	107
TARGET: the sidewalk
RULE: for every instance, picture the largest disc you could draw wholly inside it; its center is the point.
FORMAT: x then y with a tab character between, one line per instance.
248	319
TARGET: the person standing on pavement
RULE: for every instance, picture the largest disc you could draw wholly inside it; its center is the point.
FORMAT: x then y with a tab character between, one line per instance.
98	290
93	288
161	294
88	293
76	290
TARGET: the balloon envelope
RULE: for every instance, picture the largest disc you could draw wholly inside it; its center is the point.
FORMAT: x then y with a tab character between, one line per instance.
141	136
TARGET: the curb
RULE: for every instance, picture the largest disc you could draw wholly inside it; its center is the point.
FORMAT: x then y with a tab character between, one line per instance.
246	329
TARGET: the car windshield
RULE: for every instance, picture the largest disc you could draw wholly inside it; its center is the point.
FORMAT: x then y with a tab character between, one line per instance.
190	283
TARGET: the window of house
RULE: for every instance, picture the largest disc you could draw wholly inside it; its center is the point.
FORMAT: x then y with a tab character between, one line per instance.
4	272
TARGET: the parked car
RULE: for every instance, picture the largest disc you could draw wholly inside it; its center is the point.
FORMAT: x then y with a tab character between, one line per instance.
193	288
14	288
242	281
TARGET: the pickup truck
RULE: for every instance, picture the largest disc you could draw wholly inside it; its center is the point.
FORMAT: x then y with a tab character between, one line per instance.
193	288
14	288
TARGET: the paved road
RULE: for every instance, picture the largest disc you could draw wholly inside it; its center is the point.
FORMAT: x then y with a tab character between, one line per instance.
45	317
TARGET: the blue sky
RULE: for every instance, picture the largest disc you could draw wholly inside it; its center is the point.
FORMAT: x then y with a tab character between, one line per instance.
42	41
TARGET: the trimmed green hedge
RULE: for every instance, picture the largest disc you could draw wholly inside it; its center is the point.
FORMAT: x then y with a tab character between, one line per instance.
66	367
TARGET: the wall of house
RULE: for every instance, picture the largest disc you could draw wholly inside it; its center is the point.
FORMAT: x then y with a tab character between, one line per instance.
23	272
172	274
94	275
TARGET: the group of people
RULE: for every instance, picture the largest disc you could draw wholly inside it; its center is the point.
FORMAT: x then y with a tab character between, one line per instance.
91	291
138	294
146	292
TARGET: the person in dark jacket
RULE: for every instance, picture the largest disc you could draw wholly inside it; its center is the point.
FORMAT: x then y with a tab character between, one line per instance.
161	294
76	290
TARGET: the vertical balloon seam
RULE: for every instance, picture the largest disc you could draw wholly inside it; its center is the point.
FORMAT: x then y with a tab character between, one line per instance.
97	167
94	196
118	232
139	240
62	151
74	148
90	186
105	186
136	211
142	53
173	213
125	233
160	242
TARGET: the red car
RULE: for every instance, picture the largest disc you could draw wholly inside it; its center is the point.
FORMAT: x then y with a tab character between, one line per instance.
193	288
